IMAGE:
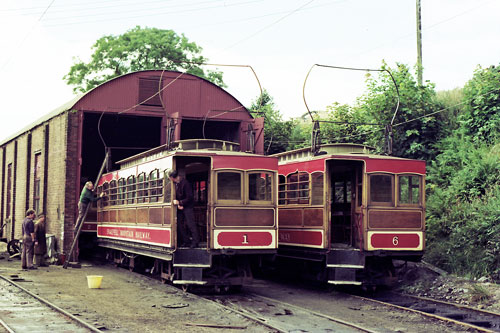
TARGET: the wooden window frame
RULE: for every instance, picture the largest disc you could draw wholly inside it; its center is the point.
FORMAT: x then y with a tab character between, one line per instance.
411	186
238	201
260	202
131	190
155	186
381	203
314	190
113	192
142	189
295	190
121	191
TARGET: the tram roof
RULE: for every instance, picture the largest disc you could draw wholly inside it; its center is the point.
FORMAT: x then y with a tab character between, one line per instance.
189	147
304	160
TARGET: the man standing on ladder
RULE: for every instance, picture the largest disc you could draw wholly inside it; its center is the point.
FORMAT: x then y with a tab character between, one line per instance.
86	197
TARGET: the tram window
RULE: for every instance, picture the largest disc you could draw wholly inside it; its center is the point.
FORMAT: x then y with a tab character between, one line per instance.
112	192
409	190
303	188
282	190
381	189
229	186
141	192
168	188
292	189
342	191
260	186
317	188
297	191
130	189
200	192
155	186
121	191
105	199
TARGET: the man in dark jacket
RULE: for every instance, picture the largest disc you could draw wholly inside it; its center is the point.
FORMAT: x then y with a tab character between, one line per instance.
86	197
40	241
28	233
185	213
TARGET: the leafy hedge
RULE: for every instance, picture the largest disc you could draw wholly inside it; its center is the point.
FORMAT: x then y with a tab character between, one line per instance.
463	211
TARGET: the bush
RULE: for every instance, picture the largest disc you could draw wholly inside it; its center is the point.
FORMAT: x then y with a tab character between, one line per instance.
463	224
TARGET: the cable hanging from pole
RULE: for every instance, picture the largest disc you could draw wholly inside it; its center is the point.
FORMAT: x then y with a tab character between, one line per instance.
316	130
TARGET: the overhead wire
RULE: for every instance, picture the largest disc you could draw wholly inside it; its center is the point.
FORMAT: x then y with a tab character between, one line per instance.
432	114
193	63
27	34
157	12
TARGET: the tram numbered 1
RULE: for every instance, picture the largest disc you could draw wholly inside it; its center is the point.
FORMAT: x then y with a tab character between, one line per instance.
235	209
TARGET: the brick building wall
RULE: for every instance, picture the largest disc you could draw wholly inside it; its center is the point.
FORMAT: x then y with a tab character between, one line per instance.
20	184
72	166
56	178
57	186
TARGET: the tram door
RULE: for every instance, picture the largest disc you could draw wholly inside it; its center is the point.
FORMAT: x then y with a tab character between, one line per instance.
344	189
196	170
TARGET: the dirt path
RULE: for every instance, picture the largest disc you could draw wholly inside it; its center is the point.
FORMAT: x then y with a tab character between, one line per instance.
126	302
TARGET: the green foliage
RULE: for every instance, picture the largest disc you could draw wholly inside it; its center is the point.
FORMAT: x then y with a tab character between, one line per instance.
414	133
138	49
343	123
452	101
481	118
463	208
277	131
466	239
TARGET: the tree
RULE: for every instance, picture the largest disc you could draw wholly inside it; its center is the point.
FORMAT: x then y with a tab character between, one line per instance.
344	124
481	118
277	131
138	49
414	132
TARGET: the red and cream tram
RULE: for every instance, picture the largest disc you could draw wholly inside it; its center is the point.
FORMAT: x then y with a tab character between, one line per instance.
346	213
235	209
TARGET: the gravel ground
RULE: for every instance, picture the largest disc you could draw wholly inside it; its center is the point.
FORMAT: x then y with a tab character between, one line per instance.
126	302
130	302
425	280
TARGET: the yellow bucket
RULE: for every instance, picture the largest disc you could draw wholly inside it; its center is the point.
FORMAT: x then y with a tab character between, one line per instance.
94	281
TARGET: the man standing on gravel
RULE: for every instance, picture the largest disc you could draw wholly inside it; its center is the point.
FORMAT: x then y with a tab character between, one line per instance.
28	233
40	241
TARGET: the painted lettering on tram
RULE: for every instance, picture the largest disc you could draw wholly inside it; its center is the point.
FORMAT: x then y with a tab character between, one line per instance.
142	235
112	232
284	237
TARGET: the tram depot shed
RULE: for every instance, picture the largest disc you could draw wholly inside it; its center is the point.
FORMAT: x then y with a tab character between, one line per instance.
45	165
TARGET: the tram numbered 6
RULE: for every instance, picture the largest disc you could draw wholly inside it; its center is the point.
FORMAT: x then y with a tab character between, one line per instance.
346	213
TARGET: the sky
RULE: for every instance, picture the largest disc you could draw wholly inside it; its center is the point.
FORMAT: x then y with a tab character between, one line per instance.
280	39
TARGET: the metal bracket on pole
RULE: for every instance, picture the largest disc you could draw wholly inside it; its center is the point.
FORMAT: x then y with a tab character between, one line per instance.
78	227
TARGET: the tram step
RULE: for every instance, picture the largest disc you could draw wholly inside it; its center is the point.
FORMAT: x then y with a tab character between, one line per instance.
342	275
187	257
345	258
192	274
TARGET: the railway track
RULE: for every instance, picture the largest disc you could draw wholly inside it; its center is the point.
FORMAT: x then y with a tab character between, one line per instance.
472	318
23	311
283	317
